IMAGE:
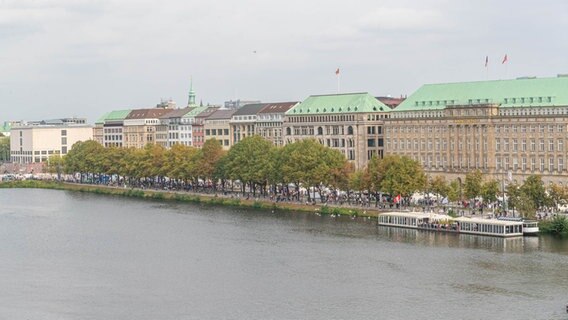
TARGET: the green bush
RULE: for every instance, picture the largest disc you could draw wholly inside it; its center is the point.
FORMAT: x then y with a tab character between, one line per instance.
557	225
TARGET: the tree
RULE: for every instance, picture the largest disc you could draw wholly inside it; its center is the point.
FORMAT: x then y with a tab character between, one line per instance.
558	194
489	191
533	190
454	191
310	163
473	184
514	195
55	164
439	186
209	155
249	161
4	148
181	162
400	175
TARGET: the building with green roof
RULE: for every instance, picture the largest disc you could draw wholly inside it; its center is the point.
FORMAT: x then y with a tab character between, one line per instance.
517	93
515	126
350	122
108	128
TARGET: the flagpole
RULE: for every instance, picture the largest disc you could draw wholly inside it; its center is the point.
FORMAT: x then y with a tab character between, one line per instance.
338	75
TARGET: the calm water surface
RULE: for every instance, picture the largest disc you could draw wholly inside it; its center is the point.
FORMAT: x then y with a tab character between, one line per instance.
66	255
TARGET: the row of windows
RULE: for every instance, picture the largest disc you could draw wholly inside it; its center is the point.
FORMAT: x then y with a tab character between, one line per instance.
113	130
328	118
549	145
215	132
529	128
532	164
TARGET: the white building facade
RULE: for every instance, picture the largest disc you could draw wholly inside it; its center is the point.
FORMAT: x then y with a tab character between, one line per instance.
34	144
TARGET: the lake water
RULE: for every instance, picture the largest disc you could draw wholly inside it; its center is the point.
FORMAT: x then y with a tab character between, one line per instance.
68	255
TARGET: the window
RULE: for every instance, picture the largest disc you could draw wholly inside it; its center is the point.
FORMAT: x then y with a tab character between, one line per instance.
63	133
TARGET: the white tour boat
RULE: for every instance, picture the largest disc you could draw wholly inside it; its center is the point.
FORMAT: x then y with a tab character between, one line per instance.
445	223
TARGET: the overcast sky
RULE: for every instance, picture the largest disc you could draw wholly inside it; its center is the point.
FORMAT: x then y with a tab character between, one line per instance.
82	58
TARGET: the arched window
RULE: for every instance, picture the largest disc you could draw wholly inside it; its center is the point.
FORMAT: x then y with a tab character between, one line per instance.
288	131
320	131
350	130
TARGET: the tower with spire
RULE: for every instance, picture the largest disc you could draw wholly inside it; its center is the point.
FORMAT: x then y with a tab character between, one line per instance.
191	100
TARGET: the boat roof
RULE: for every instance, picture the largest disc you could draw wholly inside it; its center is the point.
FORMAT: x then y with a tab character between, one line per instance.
489	221
414	214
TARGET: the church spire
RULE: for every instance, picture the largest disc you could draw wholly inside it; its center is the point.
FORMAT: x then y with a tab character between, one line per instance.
191	101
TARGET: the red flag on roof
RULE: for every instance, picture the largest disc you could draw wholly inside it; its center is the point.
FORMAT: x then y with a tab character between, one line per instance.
337	71
505	59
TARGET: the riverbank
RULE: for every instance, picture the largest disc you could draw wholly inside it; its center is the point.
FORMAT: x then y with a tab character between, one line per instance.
190	197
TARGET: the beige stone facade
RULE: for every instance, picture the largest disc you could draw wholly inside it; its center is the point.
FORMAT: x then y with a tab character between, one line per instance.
140	127
499	130
217	127
352	123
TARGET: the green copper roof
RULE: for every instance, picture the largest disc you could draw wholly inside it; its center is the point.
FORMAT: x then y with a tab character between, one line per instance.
117	115
195	111
522	92
339	103
102	119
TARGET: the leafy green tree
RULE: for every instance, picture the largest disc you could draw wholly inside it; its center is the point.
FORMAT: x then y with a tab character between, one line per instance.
311	164
439	186
249	161
4	148
489	191
514	195
454	191
181	162
55	164
533	190
209	155
473	184
558	194
85	157
401	175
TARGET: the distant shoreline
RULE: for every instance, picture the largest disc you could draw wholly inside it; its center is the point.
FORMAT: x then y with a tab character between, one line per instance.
182	196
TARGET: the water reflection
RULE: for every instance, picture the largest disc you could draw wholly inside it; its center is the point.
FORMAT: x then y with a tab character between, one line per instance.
494	244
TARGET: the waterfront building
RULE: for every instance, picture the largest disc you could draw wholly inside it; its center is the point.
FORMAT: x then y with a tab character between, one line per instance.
217	126
500	126
197	128
351	123
36	143
243	122
98	129
270	119
173	128
112	128
139	128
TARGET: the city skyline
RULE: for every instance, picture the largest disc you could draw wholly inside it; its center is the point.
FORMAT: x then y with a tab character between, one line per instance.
83	58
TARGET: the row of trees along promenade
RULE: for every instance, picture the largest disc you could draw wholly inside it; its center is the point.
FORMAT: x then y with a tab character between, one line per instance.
255	167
